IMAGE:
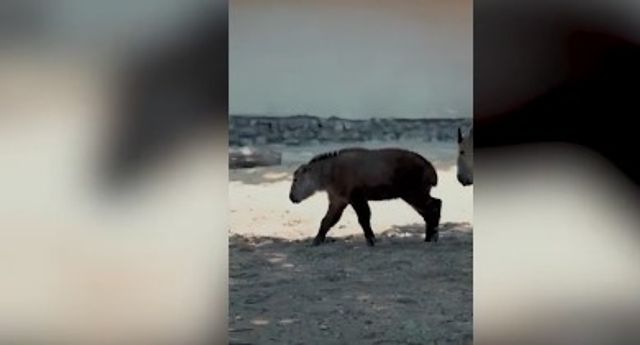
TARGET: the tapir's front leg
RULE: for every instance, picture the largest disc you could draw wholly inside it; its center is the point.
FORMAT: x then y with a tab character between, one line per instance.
330	219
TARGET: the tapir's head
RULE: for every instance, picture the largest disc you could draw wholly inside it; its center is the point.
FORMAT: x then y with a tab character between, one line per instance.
305	183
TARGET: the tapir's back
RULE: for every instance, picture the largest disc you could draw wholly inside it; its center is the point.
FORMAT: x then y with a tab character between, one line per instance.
388	172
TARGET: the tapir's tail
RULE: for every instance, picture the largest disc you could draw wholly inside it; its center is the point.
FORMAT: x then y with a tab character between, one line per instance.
431	175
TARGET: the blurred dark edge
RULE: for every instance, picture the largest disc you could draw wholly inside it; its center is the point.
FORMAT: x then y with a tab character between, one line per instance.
557	71
167	96
167	90
170	95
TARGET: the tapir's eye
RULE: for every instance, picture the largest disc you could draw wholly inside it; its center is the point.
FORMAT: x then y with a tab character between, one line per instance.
462	152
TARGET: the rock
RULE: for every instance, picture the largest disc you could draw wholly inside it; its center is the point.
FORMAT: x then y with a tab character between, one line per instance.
291	141
405	300
248	157
309	130
246	142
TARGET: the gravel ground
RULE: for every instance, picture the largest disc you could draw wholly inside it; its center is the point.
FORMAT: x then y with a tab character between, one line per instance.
403	291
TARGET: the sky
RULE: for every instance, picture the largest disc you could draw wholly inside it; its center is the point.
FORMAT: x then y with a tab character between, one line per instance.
351	58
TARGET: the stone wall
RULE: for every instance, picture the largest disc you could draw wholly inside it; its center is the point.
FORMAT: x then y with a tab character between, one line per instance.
304	129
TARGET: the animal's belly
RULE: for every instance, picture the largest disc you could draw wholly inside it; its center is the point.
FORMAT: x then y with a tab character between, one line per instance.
382	192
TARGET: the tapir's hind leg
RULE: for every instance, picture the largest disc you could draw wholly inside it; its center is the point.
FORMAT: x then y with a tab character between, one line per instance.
330	219
429	208
432	218
364	218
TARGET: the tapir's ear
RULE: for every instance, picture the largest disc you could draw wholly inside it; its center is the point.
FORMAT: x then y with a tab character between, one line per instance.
459	135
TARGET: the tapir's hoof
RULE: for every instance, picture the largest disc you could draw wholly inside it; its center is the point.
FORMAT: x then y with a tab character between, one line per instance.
317	241
432	238
371	241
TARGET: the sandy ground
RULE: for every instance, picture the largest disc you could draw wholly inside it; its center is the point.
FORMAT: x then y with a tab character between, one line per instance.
403	291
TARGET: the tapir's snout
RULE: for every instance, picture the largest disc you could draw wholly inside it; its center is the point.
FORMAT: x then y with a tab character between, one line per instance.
293	198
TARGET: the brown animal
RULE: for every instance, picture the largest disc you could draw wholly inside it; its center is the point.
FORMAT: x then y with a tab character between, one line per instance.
355	176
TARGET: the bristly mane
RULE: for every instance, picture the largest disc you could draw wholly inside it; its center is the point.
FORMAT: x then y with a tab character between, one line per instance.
324	156
327	155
